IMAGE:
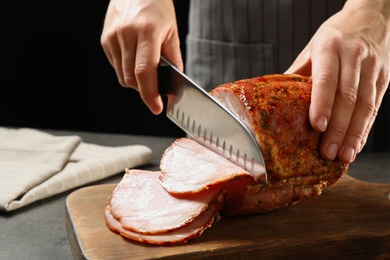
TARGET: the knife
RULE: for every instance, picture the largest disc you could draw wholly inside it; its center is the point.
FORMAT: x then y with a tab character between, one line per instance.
208	122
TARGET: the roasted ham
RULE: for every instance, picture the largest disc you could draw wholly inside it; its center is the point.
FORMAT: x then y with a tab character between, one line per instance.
195	184
276	109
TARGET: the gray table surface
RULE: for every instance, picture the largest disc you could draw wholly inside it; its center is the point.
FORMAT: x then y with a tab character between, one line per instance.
38	231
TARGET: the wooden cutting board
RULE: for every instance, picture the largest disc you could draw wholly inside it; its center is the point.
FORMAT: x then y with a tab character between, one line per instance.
350	219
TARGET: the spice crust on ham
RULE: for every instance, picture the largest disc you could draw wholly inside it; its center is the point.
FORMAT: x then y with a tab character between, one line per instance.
275	108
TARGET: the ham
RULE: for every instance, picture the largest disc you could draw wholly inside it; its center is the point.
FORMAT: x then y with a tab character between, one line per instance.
188	167
276	109
178	236
197	184
141	204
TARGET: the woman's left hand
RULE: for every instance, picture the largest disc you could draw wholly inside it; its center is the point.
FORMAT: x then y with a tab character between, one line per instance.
348	59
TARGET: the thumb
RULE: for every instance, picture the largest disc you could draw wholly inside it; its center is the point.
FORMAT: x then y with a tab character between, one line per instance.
302	64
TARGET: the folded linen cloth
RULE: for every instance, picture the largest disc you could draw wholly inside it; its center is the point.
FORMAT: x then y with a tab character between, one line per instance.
35	165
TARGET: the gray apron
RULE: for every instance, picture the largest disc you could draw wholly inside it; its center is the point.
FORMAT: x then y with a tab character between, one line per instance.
235	39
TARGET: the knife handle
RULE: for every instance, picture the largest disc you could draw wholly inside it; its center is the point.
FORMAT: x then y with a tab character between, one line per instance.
164	79
168	82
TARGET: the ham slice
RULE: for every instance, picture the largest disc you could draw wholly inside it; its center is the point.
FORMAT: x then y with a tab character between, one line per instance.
178	236
188	167
141	204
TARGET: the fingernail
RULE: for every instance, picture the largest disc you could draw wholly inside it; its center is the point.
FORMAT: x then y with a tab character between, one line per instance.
332	151
322	123
349	154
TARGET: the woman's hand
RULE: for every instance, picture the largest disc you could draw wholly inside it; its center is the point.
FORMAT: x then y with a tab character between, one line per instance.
135	34
349	61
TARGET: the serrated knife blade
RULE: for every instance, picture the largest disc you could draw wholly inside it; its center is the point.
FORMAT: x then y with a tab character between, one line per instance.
208	122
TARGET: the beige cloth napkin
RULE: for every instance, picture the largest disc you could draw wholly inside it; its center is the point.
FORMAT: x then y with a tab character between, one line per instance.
35	165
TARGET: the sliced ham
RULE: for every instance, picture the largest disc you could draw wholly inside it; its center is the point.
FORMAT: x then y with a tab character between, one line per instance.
141	204
187	167
178	236
169	207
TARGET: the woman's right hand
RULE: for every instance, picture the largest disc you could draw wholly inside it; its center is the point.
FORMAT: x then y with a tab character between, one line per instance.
135	34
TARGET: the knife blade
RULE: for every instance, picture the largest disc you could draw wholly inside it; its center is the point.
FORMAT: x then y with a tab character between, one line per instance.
208	122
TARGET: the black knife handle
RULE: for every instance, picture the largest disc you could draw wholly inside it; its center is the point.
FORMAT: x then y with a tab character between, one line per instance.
165	76
164	79
170	80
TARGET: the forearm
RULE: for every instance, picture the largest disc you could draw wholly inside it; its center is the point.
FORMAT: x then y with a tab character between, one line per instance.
369	18
379	7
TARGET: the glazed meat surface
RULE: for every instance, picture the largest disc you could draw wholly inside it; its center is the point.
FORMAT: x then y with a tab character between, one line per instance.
276	109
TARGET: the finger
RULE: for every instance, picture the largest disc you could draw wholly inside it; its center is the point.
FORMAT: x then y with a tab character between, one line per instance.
128	43
325	71
116	61
342	111
362	118
146	62
171	50
112	49
367	132
104	42
381	85
108	38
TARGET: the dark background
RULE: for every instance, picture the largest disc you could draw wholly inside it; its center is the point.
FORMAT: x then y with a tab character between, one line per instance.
54	74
